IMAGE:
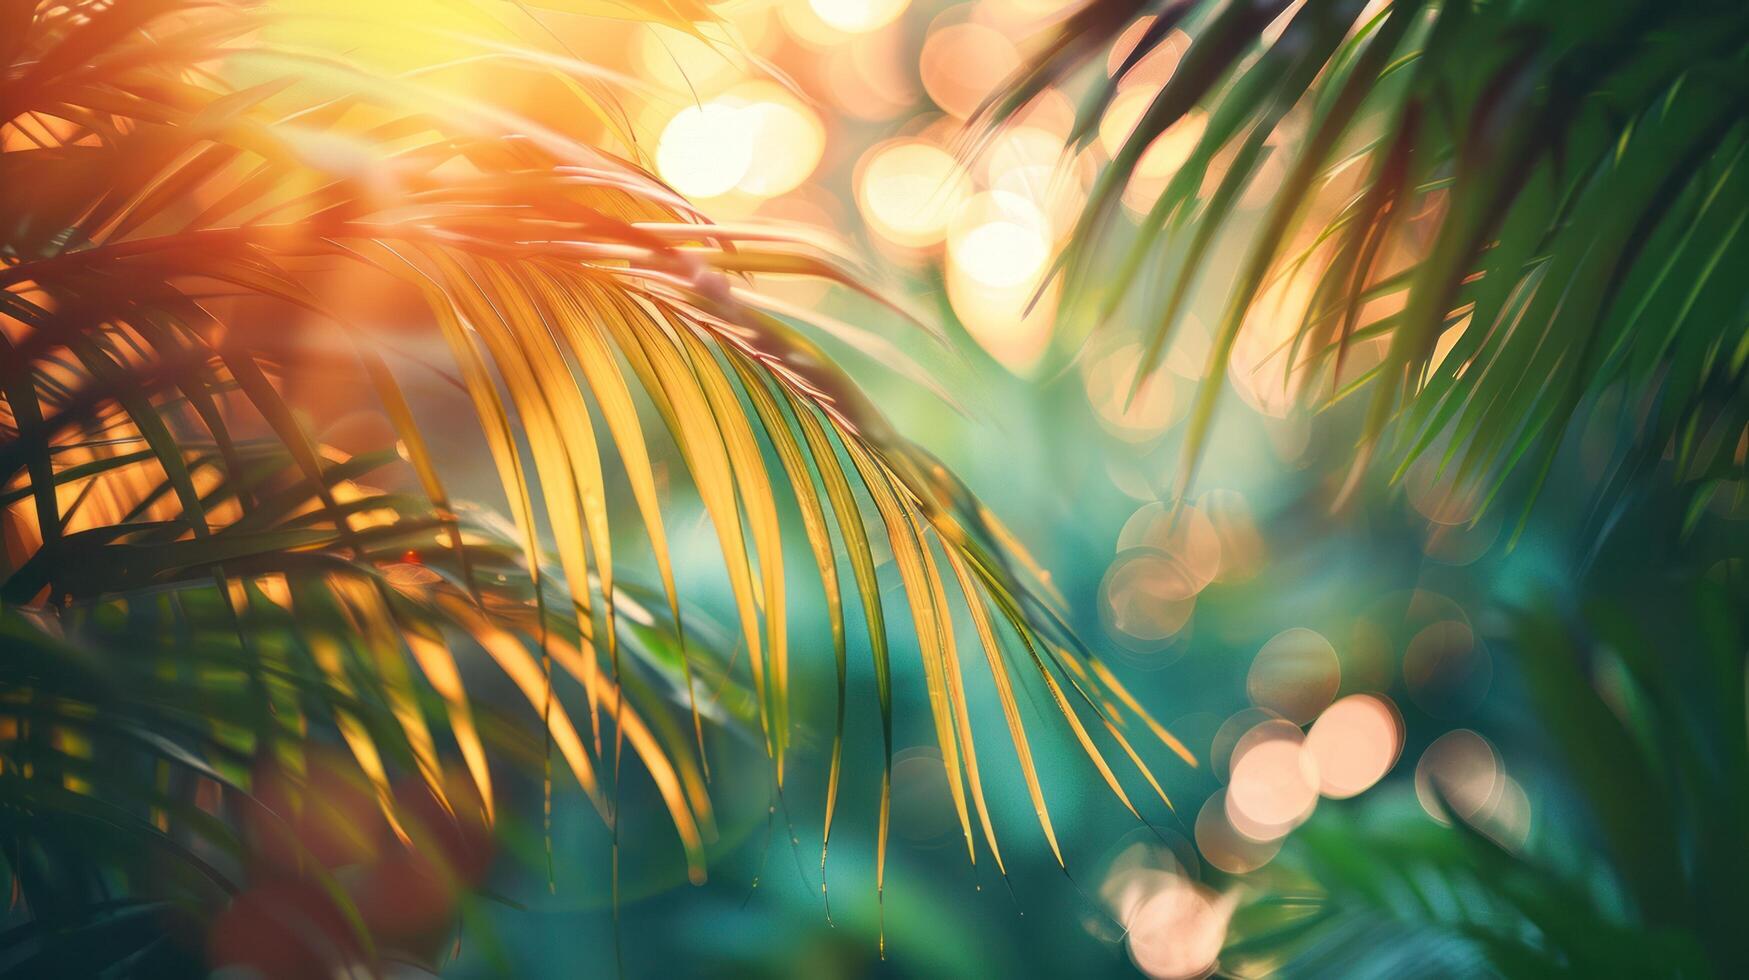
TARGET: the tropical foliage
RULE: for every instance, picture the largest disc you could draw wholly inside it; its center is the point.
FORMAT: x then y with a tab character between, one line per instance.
1643	721
418	441
196	581
1479	215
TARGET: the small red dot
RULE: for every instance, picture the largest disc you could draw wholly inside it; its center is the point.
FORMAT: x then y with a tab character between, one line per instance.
411	557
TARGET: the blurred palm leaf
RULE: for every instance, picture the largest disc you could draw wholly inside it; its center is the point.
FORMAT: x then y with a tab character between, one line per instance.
178	177
1641	699
1484	212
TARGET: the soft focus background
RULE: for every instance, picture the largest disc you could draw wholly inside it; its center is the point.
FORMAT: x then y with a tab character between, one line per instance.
1429	726
1329	670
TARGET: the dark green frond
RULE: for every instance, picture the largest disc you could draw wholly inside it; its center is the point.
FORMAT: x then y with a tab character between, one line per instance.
1485	214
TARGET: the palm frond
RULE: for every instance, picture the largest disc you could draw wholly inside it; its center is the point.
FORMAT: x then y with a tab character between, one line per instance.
1486	213
176	181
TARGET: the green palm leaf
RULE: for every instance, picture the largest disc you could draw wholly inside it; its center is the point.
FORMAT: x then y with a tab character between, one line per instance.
1497	210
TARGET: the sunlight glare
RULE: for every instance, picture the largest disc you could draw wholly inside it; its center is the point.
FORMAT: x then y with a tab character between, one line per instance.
705	151
1000	239
858	16
908	191
787	139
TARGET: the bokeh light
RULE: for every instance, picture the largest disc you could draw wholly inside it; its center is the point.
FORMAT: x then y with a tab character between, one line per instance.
705	150
1355	741
1465	543
1162	157
1225	741
1274	784
1147	596
1187	349
1173	925
1296	674
868	77
999	320
1223	846
787	138
683	62
909	190
962	63
1109	378
1509	821
1258	365
1139	865
1000	240
756	138
1436	492
1176	933
1027	161
1184	532
1242	546
858	16
1155	67
1462	770
922	804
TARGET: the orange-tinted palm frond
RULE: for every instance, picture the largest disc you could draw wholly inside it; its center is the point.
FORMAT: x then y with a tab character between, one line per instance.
182	191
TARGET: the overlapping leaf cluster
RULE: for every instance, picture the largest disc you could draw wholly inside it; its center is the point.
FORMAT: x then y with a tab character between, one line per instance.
172	177
1528	202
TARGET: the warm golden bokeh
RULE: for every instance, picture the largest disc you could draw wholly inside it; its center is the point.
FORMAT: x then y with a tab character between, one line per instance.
858	16
909	191
1273	782
963	63
1355	741
1223	846
706	150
